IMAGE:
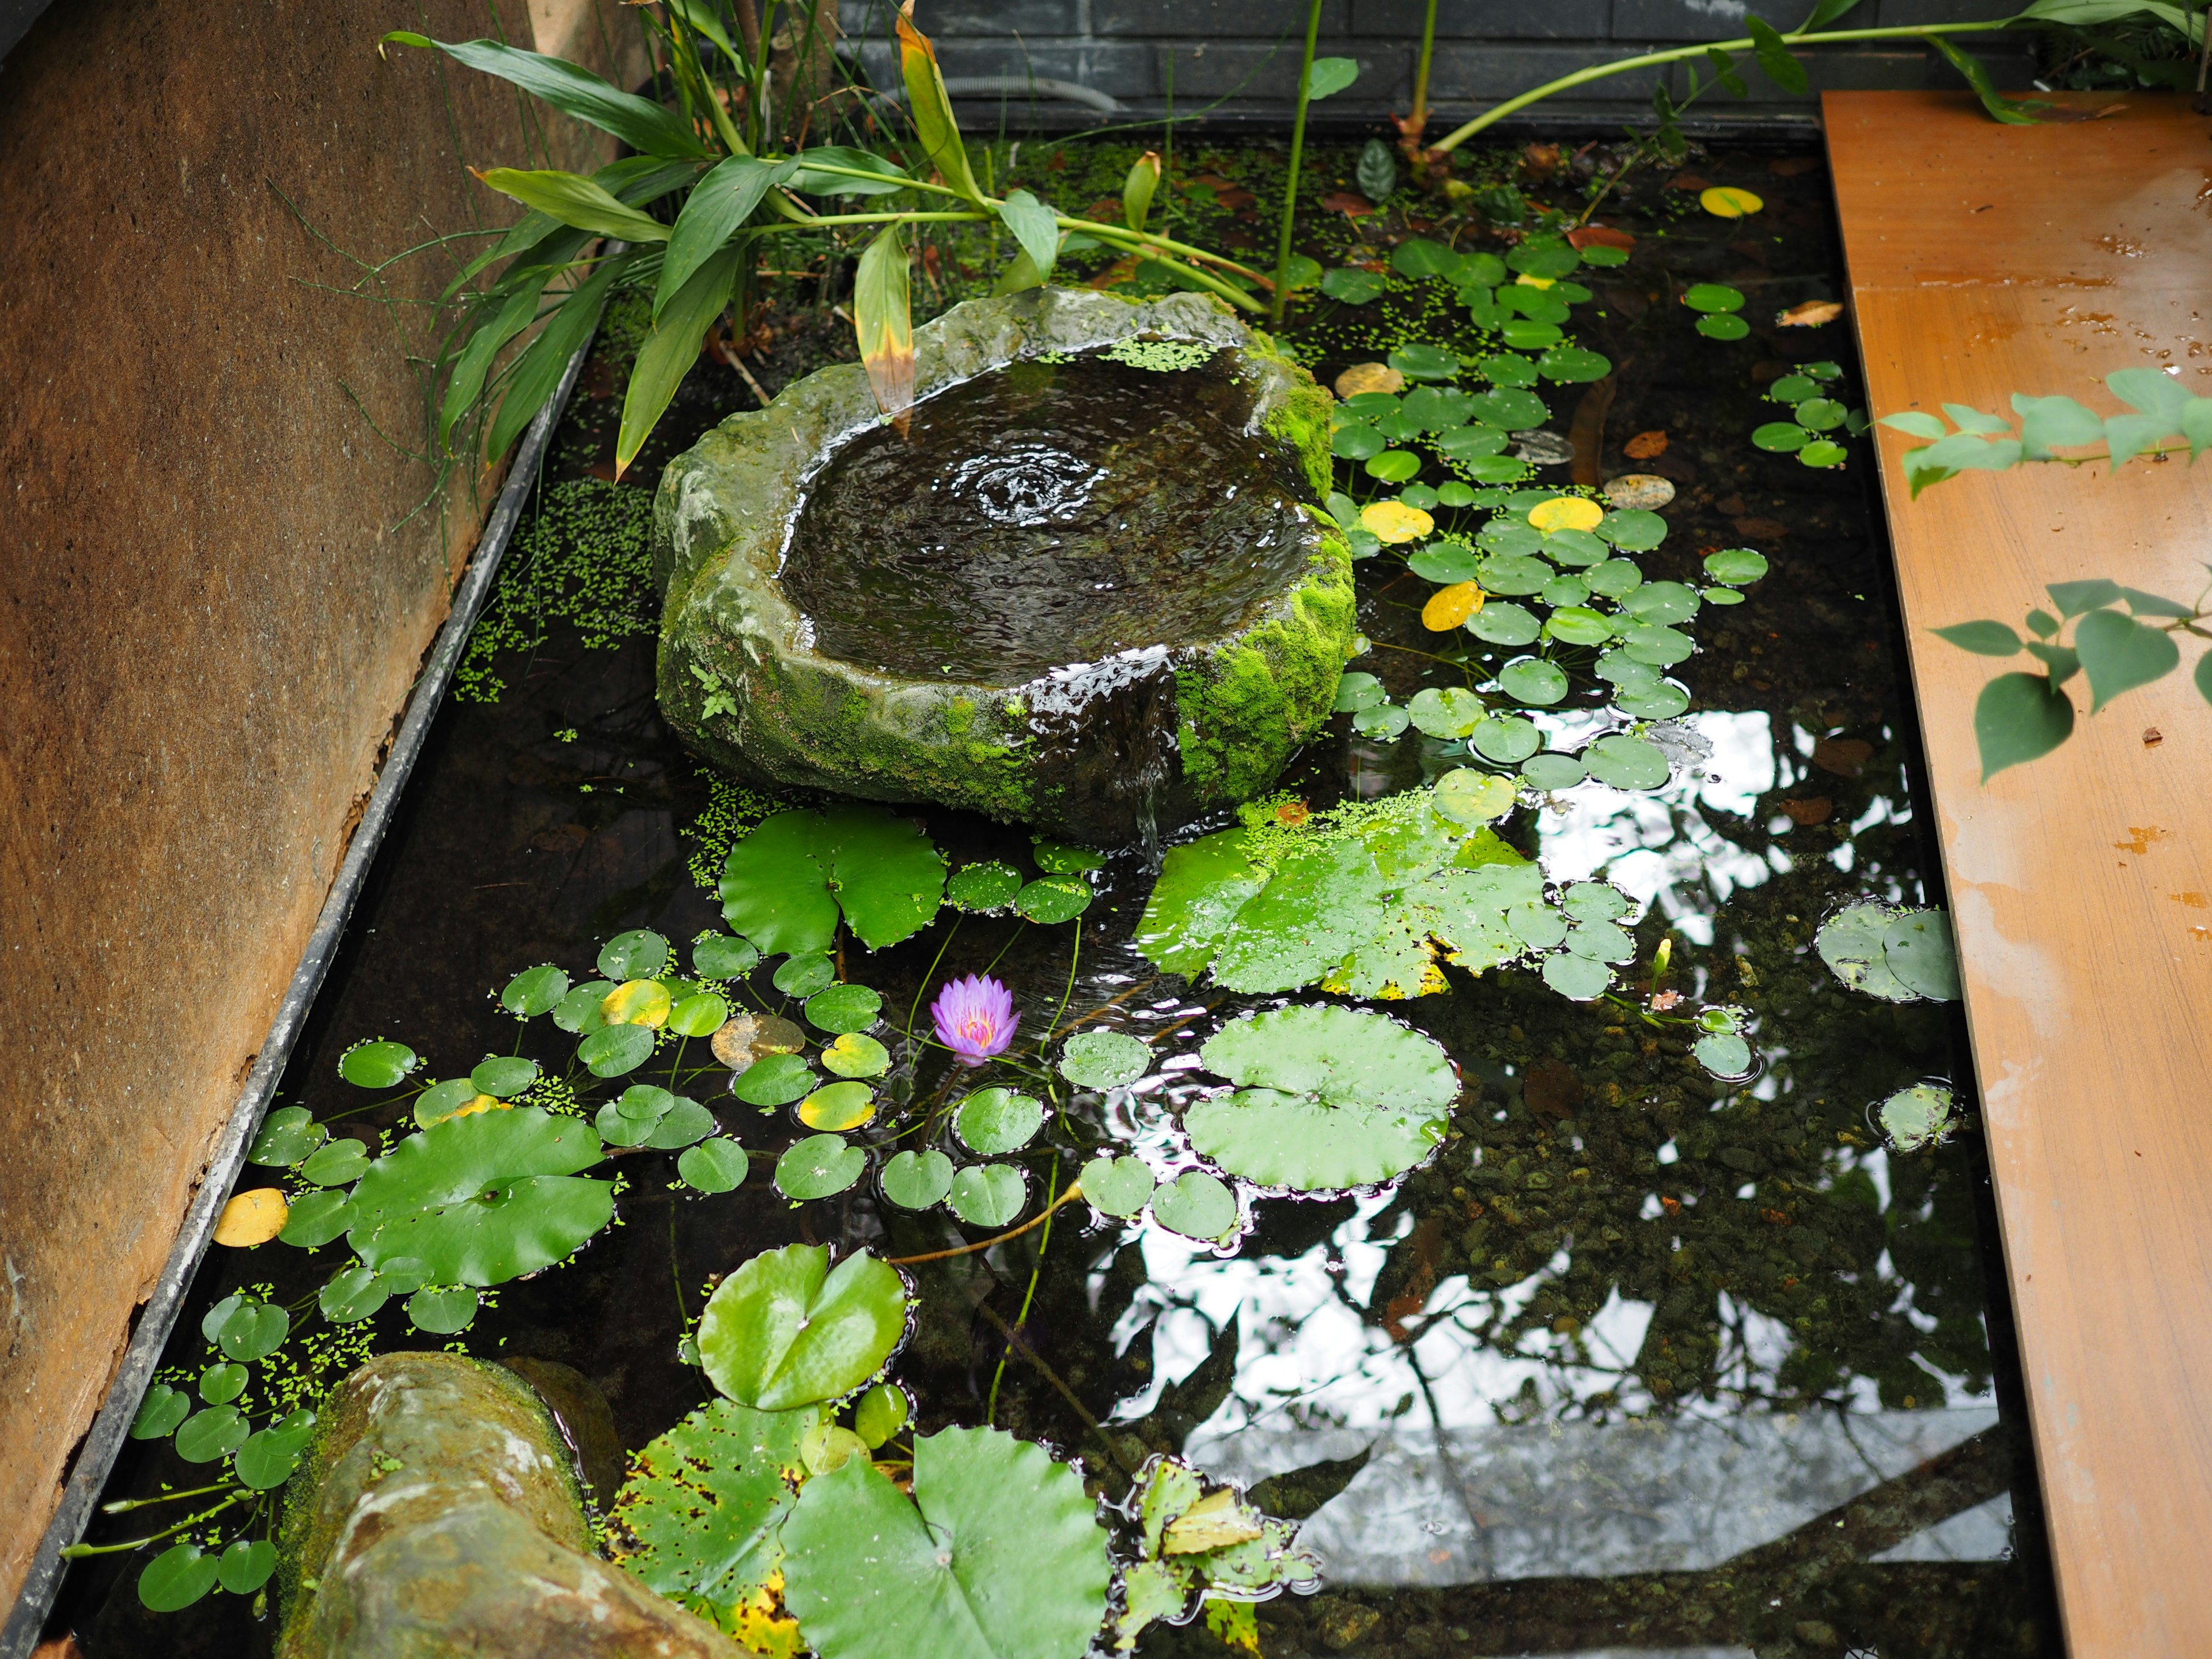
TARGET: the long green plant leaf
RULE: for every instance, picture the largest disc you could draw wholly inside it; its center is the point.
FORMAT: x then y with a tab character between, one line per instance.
573	90
2018	113
538	371
670	350
467	380
576	201
883	320
931	108
724	199
1034	228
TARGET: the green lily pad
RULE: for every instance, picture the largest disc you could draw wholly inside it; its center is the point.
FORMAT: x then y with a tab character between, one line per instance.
1381	722
177	1578
1577	625
1444	563
1659	648
1601	941
1197	1205
1051	899
883	1411
1579	978
316	1218
1736	566
698	1016
579	1010
804	973
1329	1099
1551	771
1103	1059
288	1135
783	886
1724	1053
245	1329
354	1294
1425	362
995	1120
854	1054
698	1519
1356	691
839	1107
916	1180
1451	711
207	1437
1662	603
724	957
638	954
988	1195
718	1165
684	1123
505	1076
1357	443
1352	288
773	1080
1514	573
443	1313
1898	955
981	888
1533	681
222	1382
786	1329
1919	1116
1714	297
1780	437
1060	858
616	1050
997	1552
819	1166
269	1456
1467	796
534	991
160	1411
1506	738
377	1065
1573	365
1393	467
483	1199
1593	900
1627	763
1917	947
245	1567
1117	1185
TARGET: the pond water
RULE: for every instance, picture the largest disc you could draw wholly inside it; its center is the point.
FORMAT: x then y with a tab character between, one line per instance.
1045	514
1642	1362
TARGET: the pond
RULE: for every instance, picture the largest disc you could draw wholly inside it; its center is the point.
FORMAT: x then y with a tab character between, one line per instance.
1667	1347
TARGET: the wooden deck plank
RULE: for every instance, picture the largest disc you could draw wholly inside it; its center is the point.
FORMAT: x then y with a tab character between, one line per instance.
1986	259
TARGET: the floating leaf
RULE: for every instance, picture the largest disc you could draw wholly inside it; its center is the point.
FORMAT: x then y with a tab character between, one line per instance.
1103	1059
1722	325
245	1567
177	1578
843	1008
1051	899
1197	1205
1712	297
1916	946
160	1413
377	1065
1736	566
786	1329
698	1016
1393	467
638	954
1851	943
1729	202
1549	772
1117	1185
208	1437
773	1080
316	1218
883	1411
504	1077
1508	739
980	888
1533	680
222	1382
997	1552
1919	1116
1392	522
578	1012
287	1136
354	1294
854	1054
1466	796
1329	1099
1724	1053
1446	711
1381	722
777	884
803	975
995	1120
252	1217
718	1165
443	1313
483	1199
534	991
336	1163
1627	763
988	1195
1425	362
685	1122
724	957
916	1180
614	1050
819	1166
1353	288
248	1329
1579	978
838	1108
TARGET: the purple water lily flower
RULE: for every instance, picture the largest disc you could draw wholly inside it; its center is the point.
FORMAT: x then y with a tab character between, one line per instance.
975	1019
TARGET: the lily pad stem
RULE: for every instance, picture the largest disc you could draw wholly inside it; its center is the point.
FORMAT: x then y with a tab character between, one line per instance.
1074	1191
1044	1243
1020	1346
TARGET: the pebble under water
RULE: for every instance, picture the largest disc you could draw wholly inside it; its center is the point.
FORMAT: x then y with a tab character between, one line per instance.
1046	513
1641	1363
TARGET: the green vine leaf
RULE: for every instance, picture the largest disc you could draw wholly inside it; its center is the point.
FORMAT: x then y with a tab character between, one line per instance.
1984	639
2118	653
2020	718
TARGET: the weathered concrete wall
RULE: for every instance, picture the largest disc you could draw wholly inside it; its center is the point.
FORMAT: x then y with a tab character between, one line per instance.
213	599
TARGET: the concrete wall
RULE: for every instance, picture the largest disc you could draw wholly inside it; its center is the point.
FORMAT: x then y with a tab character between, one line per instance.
1244	53
213	599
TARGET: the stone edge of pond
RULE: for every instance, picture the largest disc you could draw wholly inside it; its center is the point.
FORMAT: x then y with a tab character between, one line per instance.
438	1509
788	715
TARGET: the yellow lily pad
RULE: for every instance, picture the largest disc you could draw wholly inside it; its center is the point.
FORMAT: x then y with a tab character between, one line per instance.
636	1002
1369	377
252	1217
1394	521
1566	513
855	1055
1729	202
1449	607
837	1108
478	1103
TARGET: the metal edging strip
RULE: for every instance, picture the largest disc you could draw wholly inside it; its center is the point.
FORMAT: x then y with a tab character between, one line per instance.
104	1440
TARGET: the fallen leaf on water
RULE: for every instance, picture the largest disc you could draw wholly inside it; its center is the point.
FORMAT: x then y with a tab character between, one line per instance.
1344	202
1729	202
1844	756
1811	314
1688	181
1369	377
252	1218
1813	809
1645	446
1762	529
1646	491
1790	166
1599	236
1449	607
1394	522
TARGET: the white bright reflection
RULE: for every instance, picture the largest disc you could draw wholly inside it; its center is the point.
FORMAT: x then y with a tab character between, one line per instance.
1656	845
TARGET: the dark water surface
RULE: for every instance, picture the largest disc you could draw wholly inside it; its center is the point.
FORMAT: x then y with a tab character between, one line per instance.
1643	1364
1106	508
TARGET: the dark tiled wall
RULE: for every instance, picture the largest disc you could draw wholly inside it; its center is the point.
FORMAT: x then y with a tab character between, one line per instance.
1241	56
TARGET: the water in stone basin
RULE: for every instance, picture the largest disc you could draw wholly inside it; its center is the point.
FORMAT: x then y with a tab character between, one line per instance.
1043	514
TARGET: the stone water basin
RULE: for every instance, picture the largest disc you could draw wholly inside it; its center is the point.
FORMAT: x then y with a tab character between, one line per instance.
1081	587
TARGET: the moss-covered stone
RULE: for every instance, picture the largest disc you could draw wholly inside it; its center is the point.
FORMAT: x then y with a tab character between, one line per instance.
1095	754
437	1514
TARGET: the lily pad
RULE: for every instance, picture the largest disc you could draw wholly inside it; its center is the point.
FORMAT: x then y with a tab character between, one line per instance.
1051	899
534	991
245	1567
838	1108
267	1459
786	1329
377	1065
616	1050
1736	566
1328	1098
804	973
819	1166
1533	681
854	1054
482	1199
177	1578
1103	1059
207	1437
504	1077
1451	711
773	1080
995	1120
1724	1053
354	1294
160	1411
1896	954
997	1552
988	1195
1919	1116
784	885
700	1015
1117	1185
245	1329
1467	796
443	1313
916	1180
1506	738
983	888
1627	763
698	1519
1554	771
1197	1205
287	1136
724	957
718	1165
1917	947
1579	978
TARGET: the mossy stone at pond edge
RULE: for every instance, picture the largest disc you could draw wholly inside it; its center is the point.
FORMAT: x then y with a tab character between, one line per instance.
1090	751
438	1512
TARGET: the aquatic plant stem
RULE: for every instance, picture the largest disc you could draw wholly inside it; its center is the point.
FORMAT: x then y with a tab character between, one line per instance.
1083	1411
1074	957
1418	118
1036	1268
1074	1191
76	1551
122	1506
1491	117
1297	159
923	990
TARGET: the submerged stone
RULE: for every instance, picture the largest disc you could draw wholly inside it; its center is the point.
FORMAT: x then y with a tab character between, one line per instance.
1080	588
437	1513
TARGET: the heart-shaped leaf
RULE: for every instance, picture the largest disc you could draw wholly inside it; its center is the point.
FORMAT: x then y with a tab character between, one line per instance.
787	1330
916	1180
718	1165
1103	1059
1197	1205
819	1166
1117	1185
988	1195
994	1120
